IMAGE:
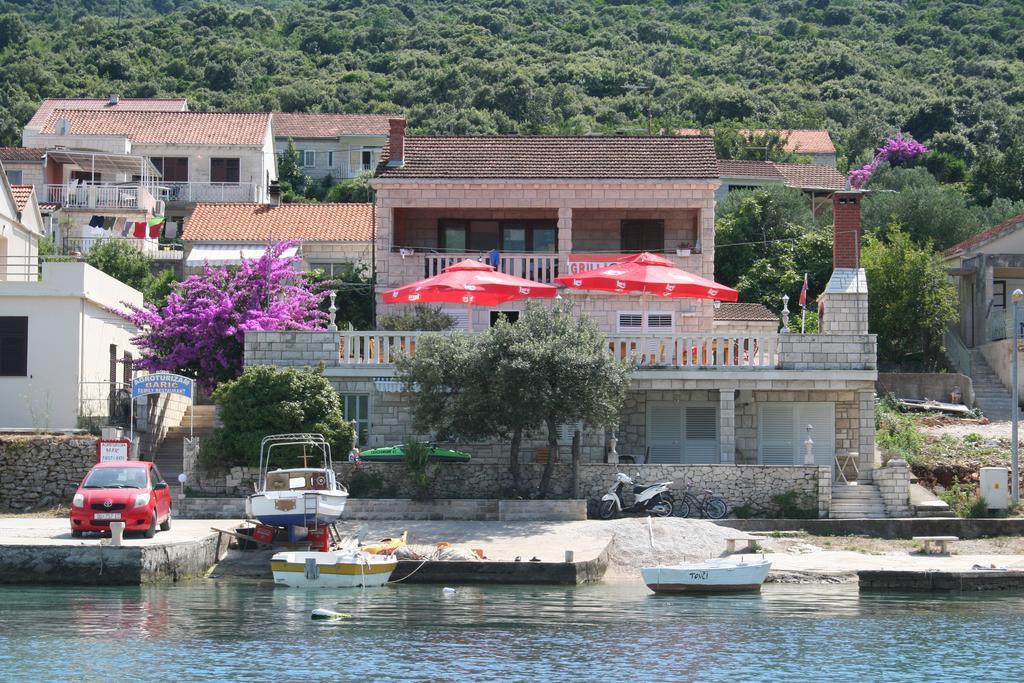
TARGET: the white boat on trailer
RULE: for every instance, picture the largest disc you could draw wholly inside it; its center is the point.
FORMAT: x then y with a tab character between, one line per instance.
346	568
722	575
307	496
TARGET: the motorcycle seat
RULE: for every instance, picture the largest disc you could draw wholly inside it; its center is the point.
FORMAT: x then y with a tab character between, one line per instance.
639	489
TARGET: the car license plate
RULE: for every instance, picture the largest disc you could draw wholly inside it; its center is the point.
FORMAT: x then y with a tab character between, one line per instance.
107	515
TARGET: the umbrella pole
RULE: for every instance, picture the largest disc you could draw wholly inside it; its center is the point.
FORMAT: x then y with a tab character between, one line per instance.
469	317
644	328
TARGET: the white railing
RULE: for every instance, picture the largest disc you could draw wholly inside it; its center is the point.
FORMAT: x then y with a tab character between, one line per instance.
208	192
20	268
86	196
692	351
537	266
148	247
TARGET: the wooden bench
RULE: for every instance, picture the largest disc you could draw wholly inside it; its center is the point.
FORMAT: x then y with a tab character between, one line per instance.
941	541
748	543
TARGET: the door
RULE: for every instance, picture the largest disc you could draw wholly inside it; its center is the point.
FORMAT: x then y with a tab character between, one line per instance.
684	433
701	429
664	433
162	495
637	236
782	430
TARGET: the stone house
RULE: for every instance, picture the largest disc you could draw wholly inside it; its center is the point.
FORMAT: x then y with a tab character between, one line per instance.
707	389
337	145
814	144
331	237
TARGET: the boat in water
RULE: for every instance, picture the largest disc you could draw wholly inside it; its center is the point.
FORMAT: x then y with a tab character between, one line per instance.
347	568
397	454
307	496
721	575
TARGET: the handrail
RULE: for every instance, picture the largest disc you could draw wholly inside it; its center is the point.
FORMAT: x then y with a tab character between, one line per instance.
958	353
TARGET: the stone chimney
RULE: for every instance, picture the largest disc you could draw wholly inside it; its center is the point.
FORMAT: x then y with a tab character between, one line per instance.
113	100
274	193
843	307
396	142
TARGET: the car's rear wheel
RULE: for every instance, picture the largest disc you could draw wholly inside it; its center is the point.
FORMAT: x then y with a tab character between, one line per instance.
166	524
151	531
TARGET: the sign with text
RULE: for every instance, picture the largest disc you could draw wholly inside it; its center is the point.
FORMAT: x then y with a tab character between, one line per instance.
163	383
113	450
581	263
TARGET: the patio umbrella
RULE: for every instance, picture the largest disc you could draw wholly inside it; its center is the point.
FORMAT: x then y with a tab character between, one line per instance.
472	283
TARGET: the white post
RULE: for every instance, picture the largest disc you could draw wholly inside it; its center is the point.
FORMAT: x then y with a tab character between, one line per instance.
1015	402
809	447
785	313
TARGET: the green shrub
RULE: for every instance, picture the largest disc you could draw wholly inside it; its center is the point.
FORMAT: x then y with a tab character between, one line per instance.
420	317
744	511
422	471
896	431
963	500
789	506
266	401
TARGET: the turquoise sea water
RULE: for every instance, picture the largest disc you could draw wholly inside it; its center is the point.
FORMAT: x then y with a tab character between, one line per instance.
252	631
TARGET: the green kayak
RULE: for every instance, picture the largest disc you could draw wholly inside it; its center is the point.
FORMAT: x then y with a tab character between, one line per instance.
395	454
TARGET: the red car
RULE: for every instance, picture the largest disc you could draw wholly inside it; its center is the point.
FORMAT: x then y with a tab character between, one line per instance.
132	492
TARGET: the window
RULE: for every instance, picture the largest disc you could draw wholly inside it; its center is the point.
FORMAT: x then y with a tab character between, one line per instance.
357	409
14	177
330	160
172	169
640	236
13	346
630	321
309	158
86	176
682	433
334	269
484	235
453	235
511	316
367	159
999	293
782	430
224	170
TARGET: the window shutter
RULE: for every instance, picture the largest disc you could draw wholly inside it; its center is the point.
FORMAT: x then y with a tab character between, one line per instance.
630	322
821	416
701	446
775	428
659	321
459	316
663	433
565	432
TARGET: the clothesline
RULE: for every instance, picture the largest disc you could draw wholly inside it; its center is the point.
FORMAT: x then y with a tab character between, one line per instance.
154	228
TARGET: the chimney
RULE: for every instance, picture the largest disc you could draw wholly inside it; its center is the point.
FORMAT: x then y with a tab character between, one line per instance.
396	142
274	193
846	229
114	99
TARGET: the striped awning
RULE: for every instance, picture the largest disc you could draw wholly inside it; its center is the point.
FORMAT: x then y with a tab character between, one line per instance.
229	254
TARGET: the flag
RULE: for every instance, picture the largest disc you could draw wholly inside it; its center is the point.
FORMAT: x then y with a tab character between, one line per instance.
803	293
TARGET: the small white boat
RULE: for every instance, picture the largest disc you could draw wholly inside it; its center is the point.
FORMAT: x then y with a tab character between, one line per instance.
712	576
348	568
299	496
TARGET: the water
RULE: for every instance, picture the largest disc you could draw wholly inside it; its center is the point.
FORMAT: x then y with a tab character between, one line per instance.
234	631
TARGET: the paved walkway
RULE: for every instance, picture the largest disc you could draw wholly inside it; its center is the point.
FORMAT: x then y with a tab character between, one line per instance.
57	531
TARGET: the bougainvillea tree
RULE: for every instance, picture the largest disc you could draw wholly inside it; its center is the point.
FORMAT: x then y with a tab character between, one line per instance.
896	150
200	331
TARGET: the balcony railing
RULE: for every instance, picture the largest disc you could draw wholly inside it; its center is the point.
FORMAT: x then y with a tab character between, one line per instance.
148	247
691	351
537	266
208	192
86	196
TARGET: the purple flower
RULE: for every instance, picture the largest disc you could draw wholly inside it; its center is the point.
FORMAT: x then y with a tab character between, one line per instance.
897	150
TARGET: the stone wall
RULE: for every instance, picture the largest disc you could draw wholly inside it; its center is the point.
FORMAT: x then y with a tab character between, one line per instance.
925	385
750	485
42	470
296	348
893	483
827	351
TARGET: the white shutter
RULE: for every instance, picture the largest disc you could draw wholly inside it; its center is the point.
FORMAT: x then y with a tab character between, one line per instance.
821	416
459	316
664	433
775	434
565	432
630	322
701	445
659	321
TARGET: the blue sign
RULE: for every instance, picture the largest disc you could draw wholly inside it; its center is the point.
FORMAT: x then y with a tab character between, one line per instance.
163	383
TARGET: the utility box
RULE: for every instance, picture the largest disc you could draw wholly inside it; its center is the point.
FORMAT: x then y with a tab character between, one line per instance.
995	484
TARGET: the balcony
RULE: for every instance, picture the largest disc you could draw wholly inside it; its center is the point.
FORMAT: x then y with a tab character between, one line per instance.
100	196
536	266
189	192
147	247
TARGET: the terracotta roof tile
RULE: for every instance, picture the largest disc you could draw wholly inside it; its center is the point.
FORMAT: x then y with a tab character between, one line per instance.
21	153
257	222
551	157
301	125
163	127
755	169
992	233
21	195
744	312
810	176
103	104
798	140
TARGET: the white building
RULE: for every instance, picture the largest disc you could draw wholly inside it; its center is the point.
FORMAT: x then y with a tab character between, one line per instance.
337	145
21	226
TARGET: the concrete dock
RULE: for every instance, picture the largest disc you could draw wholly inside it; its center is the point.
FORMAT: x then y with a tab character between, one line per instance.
42	551
935	581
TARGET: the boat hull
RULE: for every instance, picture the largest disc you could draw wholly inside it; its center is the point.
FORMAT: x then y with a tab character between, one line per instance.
286	508
345	569
708	577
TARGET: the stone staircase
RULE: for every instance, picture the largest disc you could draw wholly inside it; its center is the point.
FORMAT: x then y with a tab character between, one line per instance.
856	501
992	397
169	457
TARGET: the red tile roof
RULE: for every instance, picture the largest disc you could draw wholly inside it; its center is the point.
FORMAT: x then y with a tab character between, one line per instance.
744	312
163	127
809	176
551	157
300	125
755	169
21	153
103	104
257	222
798	140
992	233
21	195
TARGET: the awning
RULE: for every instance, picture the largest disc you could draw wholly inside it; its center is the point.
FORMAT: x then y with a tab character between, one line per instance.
102	162
229	254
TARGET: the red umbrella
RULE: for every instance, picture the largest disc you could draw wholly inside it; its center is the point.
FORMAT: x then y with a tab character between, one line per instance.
648	273
472	283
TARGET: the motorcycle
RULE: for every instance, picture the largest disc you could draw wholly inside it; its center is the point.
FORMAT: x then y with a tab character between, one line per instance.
651	498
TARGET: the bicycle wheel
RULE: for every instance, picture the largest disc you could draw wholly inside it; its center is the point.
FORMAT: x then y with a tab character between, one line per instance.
687	506
716	508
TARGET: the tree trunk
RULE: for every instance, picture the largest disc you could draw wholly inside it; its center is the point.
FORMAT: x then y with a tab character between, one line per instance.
549	468
576	438
513	460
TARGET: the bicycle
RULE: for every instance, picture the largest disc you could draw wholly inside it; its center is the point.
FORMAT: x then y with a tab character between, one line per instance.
707	505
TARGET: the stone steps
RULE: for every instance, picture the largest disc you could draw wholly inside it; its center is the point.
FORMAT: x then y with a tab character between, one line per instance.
856	501
992	398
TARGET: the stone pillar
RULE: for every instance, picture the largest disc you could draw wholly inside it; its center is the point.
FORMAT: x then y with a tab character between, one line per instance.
727	425
866	431
564	238
385	238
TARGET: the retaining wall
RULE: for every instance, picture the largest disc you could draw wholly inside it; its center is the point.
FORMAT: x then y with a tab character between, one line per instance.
42	470
893	482
921	385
